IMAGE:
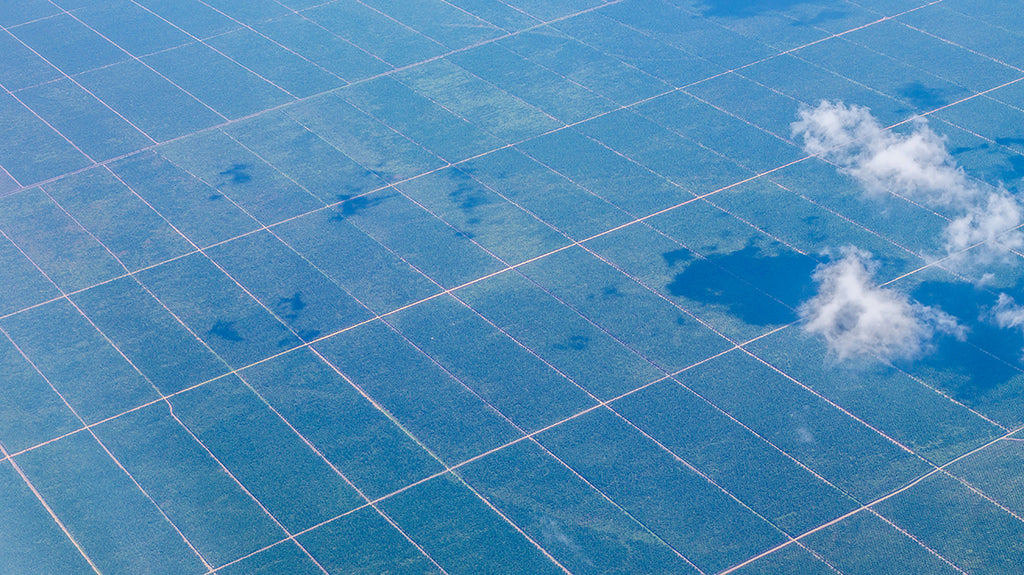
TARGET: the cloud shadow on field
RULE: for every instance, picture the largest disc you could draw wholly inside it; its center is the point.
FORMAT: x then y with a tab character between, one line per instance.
226	330
351	206
732	280
237	174
744	8
921	96
972	307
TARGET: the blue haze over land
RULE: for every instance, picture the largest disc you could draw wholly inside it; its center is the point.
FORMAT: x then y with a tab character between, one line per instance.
511	286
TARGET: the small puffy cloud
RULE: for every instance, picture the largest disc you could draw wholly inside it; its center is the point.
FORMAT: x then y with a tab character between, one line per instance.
993	220
1007	313
918	166
858	318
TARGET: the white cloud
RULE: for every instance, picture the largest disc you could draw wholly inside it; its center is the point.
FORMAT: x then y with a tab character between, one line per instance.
1007	313
857	318
917	166
987	221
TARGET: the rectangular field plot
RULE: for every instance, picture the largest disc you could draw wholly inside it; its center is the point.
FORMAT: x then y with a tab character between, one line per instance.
26	284
260	450
69	44
939	57
637	49
311	162
462	533
740	249
567	207
961	525
590	356
750	466
218	310
493	221
790	559
626	309
930	423
698	519
446	255
613	79
153	339
584	531
322	47
689	32
368	29
914	87
323	406
196	209
291	71
31	412
241	175
357	263
21	67
364	542
117	524
440	21
485	105
538	86
21	12
441	411
133	27
730	304
500	14
150	101
134	232
805	426
373	145
223	85
95	380
94	128
69	256
25	526
204	502
419	119
531	396
32	151
996	471
605	158
968	31
308	301
287	556
860	543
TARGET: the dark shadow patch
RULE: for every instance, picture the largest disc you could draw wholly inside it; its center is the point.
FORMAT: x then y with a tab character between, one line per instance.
607	292
921	96
826	16
1010	141
744	8
225	330
215	197
1014	170
971	307
289	307
468	197
351	206
575	343
967	373
733	280
677	256
237	174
